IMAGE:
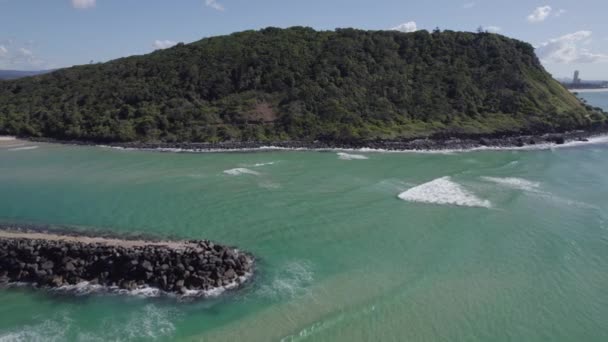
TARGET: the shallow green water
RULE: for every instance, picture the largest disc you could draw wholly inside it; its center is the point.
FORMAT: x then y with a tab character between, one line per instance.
341	258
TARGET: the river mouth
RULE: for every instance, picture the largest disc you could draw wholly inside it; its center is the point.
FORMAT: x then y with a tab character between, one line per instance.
339	256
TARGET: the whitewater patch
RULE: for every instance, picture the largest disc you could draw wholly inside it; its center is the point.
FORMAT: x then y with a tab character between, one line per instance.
241	171
149	323
595	140
24	148
263	164
443	191
152	323
85	288
514	182
290	281
49	330
534	188
348	156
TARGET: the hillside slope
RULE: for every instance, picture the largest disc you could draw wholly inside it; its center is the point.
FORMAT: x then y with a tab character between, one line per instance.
300	84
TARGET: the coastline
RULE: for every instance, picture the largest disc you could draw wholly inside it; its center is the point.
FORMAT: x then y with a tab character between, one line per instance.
431	144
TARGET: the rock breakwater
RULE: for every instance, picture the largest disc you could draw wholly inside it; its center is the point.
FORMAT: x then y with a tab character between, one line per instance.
46	260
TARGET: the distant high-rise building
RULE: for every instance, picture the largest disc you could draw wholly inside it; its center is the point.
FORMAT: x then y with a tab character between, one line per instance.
576	79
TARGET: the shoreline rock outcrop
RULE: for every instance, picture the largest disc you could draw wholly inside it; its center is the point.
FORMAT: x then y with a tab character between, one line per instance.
192	267
437	142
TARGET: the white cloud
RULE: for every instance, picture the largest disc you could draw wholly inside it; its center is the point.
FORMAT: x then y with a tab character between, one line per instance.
22	58
560	12
567	49
163	44
83	4
492	29
540	14
469	5
214	4
25	52
410	26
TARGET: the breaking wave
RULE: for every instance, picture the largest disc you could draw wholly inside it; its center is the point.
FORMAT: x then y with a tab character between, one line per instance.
348	156
262	164
443	191
85	288
241	171
601	139
24	148
535	189
514	182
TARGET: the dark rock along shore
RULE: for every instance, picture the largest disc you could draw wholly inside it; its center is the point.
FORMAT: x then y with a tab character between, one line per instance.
199	266
435	142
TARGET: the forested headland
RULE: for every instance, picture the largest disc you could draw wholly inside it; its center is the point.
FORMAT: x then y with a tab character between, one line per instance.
301	84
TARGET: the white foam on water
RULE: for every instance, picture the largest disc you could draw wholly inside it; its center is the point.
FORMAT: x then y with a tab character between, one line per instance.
443	191
85	288
47	331
241	171
535	188
601	139
24	148
152	323
7	138
149	323
348	156
291	280
514	182
263	164
82	288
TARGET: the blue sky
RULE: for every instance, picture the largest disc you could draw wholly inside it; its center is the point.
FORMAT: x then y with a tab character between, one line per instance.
39	34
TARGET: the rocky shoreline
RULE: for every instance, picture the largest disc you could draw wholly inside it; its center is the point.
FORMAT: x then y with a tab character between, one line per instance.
433	143
182	268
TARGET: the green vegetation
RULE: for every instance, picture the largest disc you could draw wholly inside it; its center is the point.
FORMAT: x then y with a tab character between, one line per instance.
300	84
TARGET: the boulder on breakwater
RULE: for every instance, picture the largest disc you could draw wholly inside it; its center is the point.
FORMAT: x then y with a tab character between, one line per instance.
47	260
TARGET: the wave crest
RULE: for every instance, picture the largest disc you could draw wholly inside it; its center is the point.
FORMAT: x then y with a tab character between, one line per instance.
514	182
348	156
24	148
241	171
443	191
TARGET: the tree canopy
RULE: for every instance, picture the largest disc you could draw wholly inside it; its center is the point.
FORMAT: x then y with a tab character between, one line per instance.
300	84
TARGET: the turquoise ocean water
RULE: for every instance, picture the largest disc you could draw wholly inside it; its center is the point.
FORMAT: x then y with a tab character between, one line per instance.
481	246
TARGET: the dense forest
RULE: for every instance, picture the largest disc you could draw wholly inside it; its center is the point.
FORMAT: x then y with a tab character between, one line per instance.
300	84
